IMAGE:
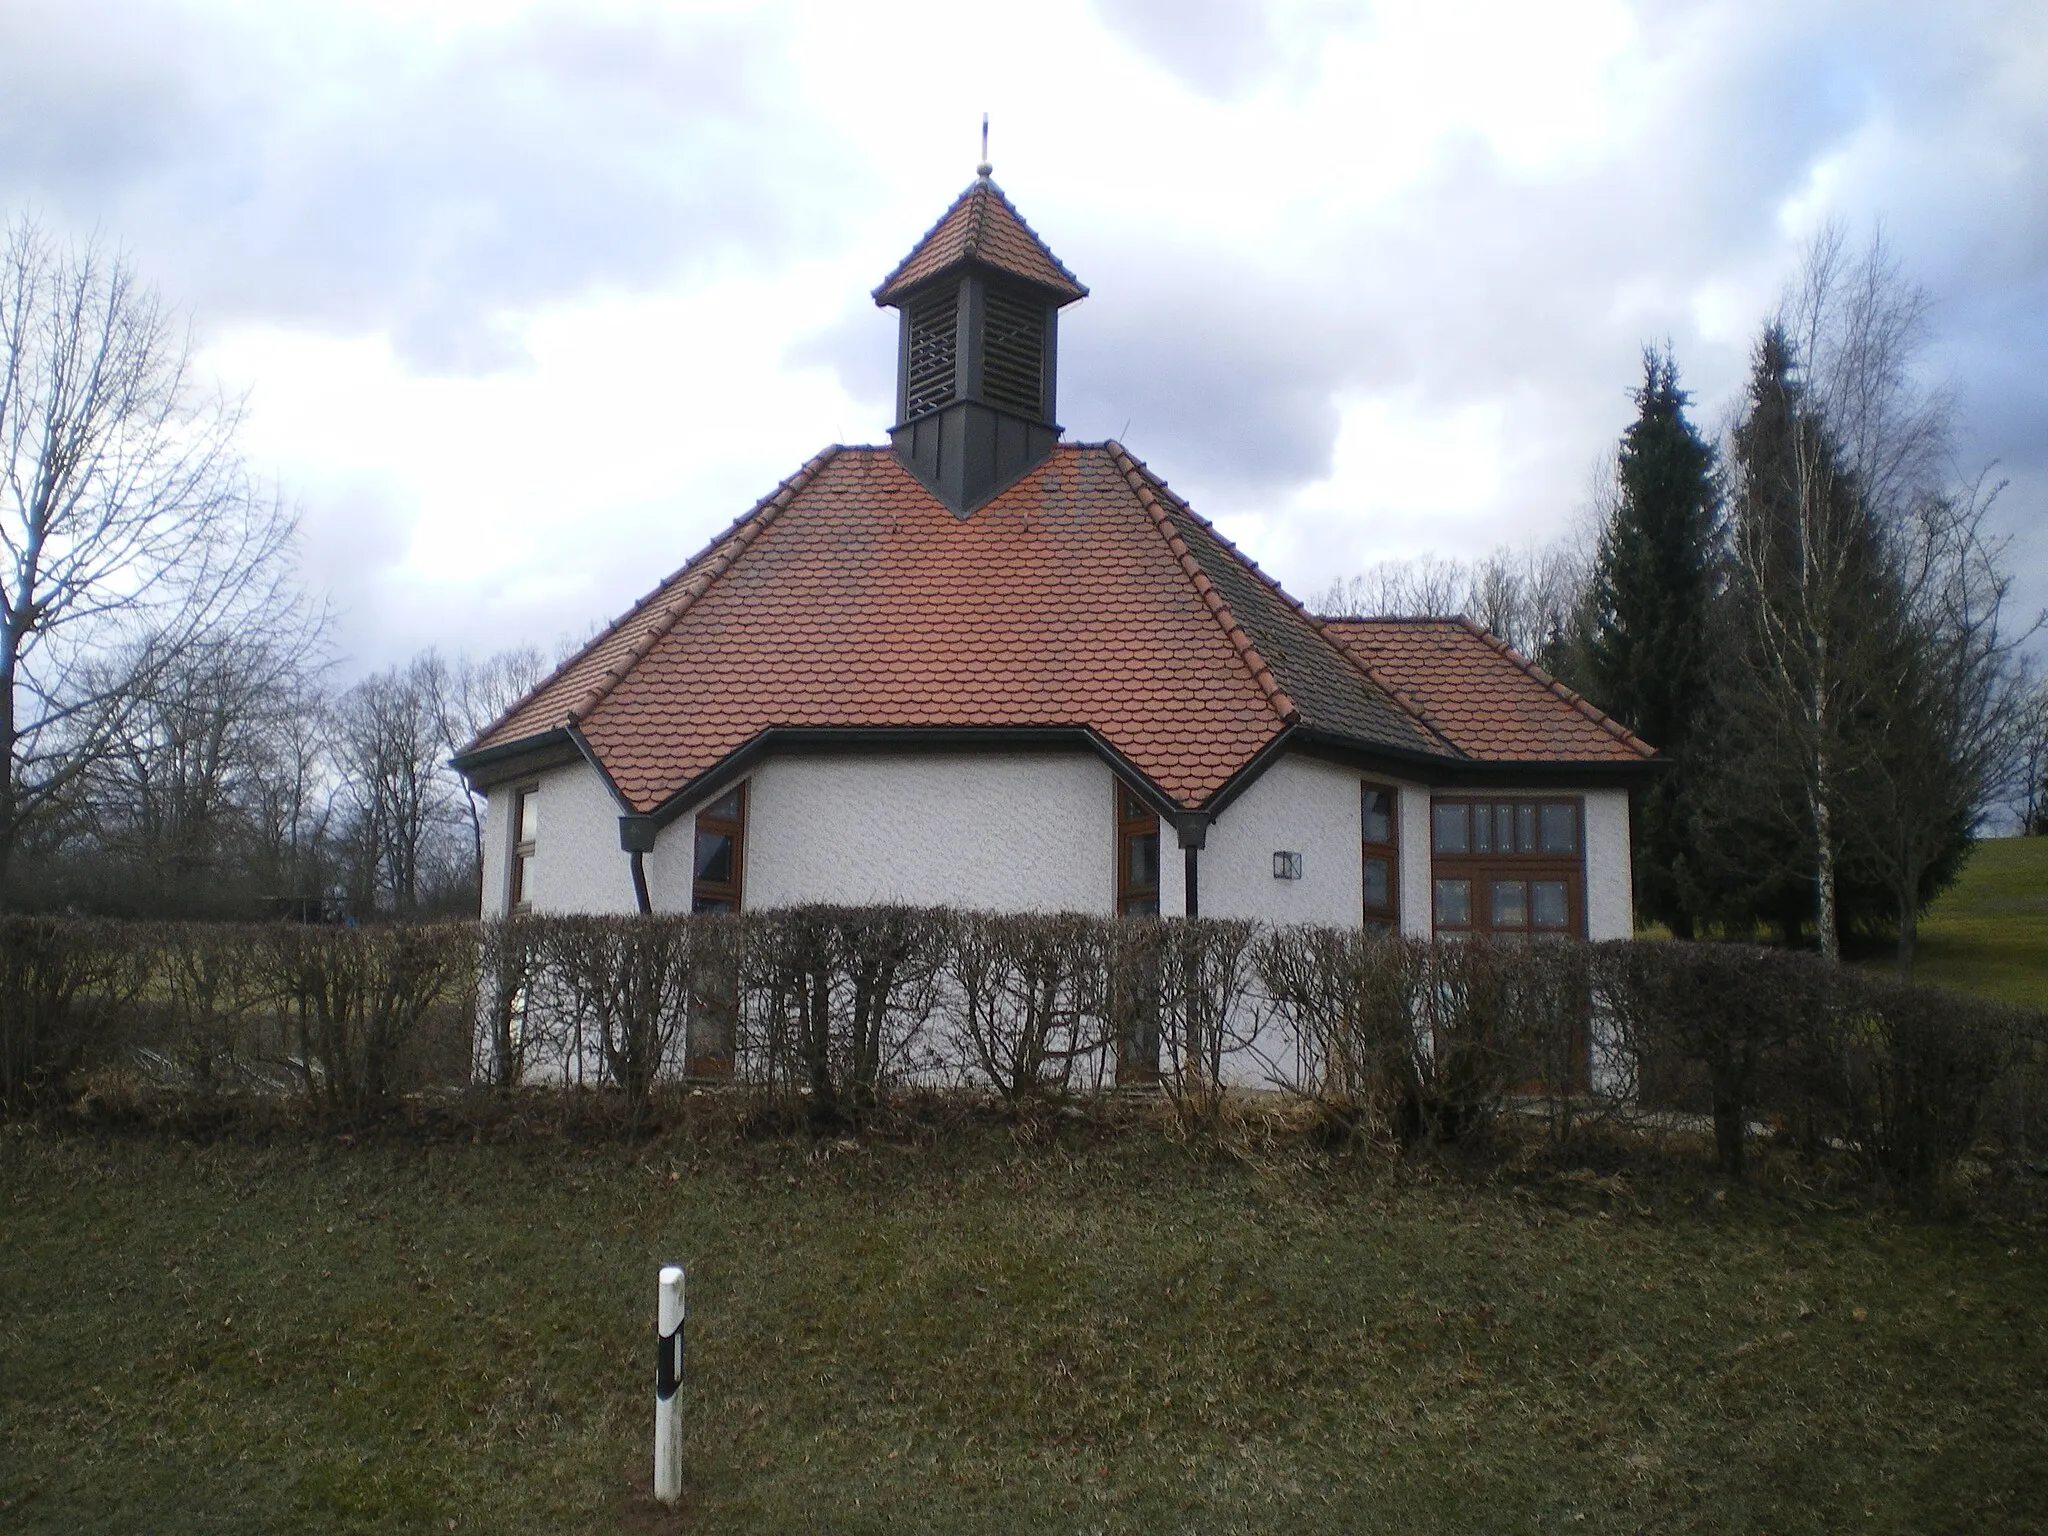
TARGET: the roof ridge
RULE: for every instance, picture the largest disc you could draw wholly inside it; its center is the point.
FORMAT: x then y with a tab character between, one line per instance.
723	553
1408	704
1571	696
1140	481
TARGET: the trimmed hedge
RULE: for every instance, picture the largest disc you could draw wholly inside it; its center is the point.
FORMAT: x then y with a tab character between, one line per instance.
829	1011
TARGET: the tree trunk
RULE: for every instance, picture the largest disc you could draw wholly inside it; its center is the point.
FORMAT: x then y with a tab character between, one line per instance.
1909	927
1825	914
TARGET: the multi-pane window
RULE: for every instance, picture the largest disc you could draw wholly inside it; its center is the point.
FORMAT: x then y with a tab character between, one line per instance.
1380	863
1508	867
1137	856
525	827
720	851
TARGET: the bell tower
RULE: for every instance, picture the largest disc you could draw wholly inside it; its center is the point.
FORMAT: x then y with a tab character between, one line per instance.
978	304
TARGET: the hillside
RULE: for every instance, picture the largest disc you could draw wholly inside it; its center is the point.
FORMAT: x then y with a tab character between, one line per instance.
1989	932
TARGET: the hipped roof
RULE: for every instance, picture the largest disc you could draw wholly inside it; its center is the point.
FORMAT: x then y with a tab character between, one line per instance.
982	226
1086	596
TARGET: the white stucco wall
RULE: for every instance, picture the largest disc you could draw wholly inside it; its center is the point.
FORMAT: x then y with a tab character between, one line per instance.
1610	880
577	865
1418	914
497	889
1300	806
1030	832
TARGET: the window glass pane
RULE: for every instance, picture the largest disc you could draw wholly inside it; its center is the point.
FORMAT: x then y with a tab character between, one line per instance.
1510	904
1141	855
1379	816
1454	903
1128	806
712	904
1504	828
1141	906
1378	927
1379	884
1449	824
1560	829
522	878
1552	904
1526	816
727	808
529	815
714	857
1482	829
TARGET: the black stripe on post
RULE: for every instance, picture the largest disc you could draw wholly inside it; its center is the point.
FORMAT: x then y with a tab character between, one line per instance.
668	1364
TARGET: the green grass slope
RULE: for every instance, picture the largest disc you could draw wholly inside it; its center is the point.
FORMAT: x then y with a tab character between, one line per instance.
1988	933
1118	1336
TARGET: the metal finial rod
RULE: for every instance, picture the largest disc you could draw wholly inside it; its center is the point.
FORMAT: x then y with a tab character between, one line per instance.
984	169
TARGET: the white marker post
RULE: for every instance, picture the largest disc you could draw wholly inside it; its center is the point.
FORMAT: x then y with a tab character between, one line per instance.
668	1381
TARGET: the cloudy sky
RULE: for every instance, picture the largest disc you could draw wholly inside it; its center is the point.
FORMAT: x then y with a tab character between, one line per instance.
529	299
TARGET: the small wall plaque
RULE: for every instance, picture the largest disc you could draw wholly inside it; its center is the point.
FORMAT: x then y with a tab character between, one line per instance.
1286	866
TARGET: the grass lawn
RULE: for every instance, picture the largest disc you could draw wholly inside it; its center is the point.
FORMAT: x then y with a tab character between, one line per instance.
1082	1334
1988	932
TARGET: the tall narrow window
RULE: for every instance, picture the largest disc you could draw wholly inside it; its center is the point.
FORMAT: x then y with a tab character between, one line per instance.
1137	856
1510	868
720	853
1379	838
525	826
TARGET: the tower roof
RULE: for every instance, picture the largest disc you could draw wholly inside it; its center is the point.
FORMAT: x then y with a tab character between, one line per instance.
982	226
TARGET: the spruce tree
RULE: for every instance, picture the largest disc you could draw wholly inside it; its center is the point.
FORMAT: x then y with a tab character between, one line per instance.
1647	655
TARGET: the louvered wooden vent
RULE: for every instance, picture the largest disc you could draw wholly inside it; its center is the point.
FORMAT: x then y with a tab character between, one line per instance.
1013	364
934	335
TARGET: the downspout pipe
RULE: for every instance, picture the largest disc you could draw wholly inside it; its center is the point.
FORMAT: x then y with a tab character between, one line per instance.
1194	832
636	838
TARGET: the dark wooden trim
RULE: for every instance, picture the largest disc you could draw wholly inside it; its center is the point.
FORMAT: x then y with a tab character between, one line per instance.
1390	851
1134	822
721	895
1483	868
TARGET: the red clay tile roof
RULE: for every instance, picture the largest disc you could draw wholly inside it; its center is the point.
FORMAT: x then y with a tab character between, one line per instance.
982	225
1086	596
854	597
1489	702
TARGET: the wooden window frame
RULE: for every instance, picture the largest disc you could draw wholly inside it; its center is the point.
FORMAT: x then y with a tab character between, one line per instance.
1385	919
1482	868
1135	819
721	895
520	876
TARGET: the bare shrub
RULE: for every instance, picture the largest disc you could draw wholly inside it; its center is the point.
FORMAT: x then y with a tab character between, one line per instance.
357	1002
1914	1069
64	985
624	986
511	974
1030	995
838	999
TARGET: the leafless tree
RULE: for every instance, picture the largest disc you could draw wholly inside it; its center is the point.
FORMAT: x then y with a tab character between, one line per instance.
175	806
129	525
1951	706
398	800
2027	772
1529	598
470	696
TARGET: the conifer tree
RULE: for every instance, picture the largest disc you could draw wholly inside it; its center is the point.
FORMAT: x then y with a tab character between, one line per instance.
1646	655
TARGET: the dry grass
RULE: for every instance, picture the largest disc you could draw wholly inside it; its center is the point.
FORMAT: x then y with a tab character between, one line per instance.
1002	1329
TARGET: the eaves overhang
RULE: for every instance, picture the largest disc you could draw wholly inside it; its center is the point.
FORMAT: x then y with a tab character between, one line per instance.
485	766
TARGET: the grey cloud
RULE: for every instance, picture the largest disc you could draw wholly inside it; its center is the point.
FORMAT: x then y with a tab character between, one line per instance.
367	189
